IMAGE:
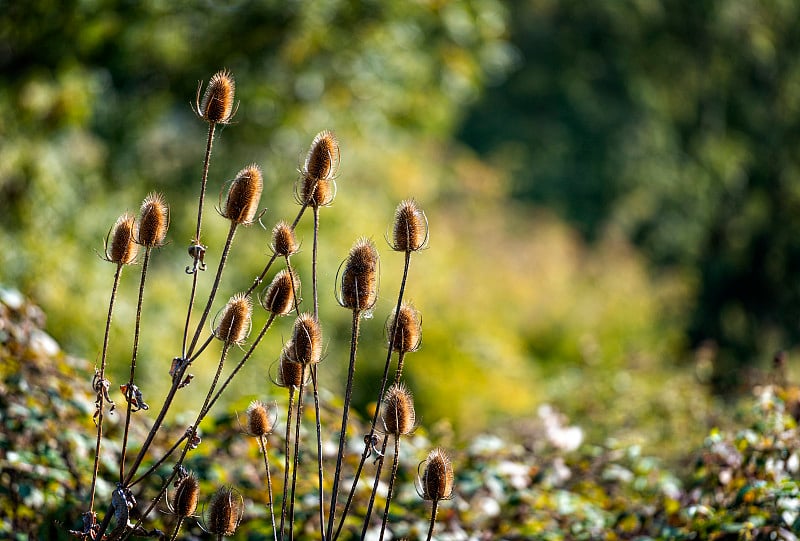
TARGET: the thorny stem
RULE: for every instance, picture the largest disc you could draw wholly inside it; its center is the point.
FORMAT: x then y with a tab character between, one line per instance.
129	395
203	183
375	484
225	251
433	519
343	434
174	535
296	456
262	440
286	455
391	484
101	394
384	379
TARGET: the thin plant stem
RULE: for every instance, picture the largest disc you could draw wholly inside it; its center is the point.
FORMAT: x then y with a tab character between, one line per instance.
203	183
296	457
401	356
294	289
375	484
174	535
289	410
343	434
101	395
384	379
391	484
262	440
158	463
433	519
314	261
319	452
129	395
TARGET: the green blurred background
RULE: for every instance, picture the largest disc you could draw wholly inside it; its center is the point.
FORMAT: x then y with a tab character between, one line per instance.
612	187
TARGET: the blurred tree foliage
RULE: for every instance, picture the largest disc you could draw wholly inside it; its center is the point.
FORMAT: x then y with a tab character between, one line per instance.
677	122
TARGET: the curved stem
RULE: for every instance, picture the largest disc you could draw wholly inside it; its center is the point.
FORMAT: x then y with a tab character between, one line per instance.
391	484
129	395
101	394
375	484
263	443
343	434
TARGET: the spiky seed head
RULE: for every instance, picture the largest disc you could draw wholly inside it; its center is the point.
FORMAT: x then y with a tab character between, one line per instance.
217	103
307	339
153	221
234	322
290	372
184	503
259	420
437	479
122	249
408	333
410	227
398	410
244	195
224	512
284	242
319	170
359	284
280	295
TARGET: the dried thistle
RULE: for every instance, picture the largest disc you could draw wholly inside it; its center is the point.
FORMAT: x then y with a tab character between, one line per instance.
359	283
187	494
244	194
234	324
410	232
153	221
437	479
217	105
290	372
408	331
259	421
279	298
284	242
398	410
307	339
317	183
122	248
225	511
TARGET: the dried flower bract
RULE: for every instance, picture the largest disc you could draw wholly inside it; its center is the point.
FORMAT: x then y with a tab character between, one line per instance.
290	372
224	512
398	410
359	283
153	221
217	104
410	232
279	297
284	242
437	479
317	184
259	421
307	339
408	334
122	247
244	195
234	322
184	503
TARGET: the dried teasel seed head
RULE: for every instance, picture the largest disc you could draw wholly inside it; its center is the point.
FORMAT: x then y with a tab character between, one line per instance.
284	242
437	479
290	372
224	512
122	248
408	334
359	283
307	339
410	232
398	410
153	221
280	296
244	195
259	421
184	503
234	321
319	169
217	103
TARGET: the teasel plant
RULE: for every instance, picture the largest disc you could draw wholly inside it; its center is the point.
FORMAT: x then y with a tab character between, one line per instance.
436	482
356	290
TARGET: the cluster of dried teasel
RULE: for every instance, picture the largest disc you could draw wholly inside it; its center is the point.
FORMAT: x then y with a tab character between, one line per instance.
356	290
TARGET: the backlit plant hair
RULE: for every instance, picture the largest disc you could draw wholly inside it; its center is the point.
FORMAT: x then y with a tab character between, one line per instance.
281	294
436	482
217	104
317	183
224	512
244	194
153	221
410	231
122	248
234	321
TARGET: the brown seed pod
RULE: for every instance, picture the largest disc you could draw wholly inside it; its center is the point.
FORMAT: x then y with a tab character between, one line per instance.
153	221
410	232
259	421
290	372
279	297
398	410
122	248
244	195
408	335
234	321
217	103
359	283
319	170
437	479
184	503
284	242
307	339
224	512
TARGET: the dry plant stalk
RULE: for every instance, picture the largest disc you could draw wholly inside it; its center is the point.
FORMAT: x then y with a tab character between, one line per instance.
356	290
